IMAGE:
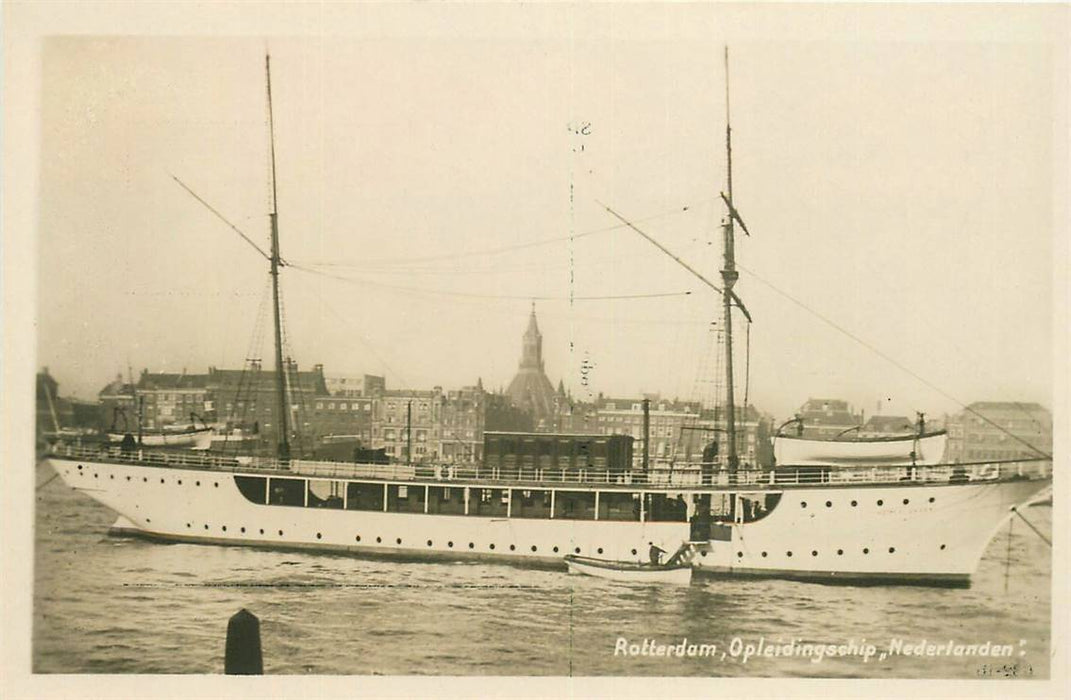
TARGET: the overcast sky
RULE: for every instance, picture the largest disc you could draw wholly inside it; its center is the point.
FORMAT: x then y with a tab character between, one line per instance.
900	183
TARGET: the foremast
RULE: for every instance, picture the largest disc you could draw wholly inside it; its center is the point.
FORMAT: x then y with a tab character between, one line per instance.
283	449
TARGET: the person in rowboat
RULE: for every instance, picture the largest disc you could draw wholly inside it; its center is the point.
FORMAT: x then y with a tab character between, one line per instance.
655	554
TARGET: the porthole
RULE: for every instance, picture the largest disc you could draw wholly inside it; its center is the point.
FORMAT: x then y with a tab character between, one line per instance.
814	552
790	554
881	502
79	467
112	476
942	546
906	501
803	504
555	549
599	550
840	552
319	536
198	483
429	543
892	549
703	554
149	520
95	476
180	482
145	479
829	504
355	539
187	525
216	484
866	550
398	540
855	503
224	528
931	499
634	552
739	554
243	530
379	540
533	548
206	526
161	480
128	478
491	546
512	547
471	545
262	531
449	544
280	533
764	555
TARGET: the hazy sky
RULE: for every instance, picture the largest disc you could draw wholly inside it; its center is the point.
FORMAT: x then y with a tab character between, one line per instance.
900	182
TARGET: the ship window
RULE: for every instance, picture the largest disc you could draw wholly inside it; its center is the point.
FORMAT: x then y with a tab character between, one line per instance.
442	500
662	507
574	505
252	487
491	546
892	549
325	494
364	496
287	492
620	506
866	550
840	552
531	504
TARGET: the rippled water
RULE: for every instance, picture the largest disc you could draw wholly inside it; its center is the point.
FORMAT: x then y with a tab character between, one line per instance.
110	605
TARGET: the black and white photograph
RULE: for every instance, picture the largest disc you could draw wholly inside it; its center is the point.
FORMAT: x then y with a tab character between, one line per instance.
535	349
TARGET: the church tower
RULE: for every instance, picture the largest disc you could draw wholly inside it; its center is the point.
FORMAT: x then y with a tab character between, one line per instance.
530	389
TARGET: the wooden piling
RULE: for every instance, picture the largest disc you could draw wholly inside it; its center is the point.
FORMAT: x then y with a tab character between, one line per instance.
243	657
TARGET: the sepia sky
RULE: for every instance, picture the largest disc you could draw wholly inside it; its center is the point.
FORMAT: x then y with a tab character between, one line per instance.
899	182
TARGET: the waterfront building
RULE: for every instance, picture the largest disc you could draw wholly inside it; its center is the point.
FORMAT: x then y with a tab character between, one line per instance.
247	399
828	418
993	430
683	430
168	399
117	405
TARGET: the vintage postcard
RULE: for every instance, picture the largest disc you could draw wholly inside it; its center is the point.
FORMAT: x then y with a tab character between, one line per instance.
493	349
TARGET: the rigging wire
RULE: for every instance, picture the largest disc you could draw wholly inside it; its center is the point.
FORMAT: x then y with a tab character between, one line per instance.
892	361
498	249
473	295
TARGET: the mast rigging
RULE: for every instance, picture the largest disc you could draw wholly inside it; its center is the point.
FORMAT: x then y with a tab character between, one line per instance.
280	380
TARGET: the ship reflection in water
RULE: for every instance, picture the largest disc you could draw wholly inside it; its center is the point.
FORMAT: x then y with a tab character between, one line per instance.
112	605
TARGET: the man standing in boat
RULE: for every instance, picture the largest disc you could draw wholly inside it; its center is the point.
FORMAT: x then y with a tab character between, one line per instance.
655	554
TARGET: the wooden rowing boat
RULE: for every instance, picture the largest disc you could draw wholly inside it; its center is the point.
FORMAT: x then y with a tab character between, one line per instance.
629	571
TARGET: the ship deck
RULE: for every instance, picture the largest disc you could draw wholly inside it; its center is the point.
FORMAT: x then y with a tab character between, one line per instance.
660	477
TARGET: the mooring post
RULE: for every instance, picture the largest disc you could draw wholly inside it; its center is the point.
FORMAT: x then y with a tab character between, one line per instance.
243	657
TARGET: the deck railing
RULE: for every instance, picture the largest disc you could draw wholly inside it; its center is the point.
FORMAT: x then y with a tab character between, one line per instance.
682	475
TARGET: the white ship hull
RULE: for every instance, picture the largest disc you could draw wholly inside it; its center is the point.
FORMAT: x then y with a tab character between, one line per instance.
931	533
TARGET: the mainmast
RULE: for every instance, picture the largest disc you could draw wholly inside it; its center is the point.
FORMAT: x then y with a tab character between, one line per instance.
729	276
280	380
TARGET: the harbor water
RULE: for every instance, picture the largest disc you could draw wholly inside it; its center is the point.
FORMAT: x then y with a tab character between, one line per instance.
118	605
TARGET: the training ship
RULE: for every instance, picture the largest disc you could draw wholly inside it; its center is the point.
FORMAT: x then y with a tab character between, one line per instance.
850	521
